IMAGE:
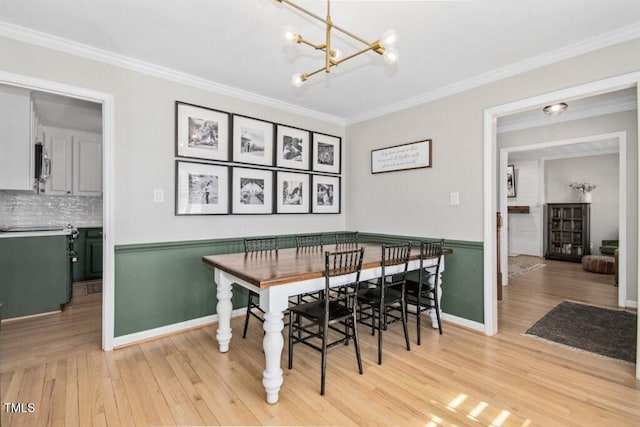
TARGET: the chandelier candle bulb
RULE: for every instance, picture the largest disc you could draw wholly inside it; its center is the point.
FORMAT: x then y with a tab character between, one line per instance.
389	38
390	55
290	34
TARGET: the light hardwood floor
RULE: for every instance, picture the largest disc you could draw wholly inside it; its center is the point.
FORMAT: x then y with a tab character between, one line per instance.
459	378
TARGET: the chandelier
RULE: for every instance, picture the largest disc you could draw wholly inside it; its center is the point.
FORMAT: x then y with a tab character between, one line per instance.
384	46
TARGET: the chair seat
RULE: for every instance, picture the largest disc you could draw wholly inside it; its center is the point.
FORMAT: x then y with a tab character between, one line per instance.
373	295
315	311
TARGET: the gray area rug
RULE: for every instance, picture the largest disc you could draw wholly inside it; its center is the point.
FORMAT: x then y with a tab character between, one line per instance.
610	333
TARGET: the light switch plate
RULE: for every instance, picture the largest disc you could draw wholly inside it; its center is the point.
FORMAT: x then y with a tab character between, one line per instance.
158	195
454	198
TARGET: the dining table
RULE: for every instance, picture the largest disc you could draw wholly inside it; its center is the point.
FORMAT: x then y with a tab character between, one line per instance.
278	275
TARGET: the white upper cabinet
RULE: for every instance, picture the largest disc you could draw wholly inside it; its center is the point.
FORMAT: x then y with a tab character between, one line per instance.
16	148
76	162
87	165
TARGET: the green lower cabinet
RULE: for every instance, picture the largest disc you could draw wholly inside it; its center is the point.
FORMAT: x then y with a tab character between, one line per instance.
93	262
34	275
88	247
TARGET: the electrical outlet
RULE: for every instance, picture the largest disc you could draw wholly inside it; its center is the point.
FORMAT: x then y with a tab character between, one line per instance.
158	195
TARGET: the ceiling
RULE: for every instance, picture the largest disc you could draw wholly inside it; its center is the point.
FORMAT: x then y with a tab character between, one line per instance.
236	45
65	112
581	108
576	149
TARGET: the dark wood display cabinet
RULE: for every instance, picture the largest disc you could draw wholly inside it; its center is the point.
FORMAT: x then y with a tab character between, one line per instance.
567	231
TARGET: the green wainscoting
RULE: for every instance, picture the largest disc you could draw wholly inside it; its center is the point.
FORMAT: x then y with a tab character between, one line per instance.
160	284
462	281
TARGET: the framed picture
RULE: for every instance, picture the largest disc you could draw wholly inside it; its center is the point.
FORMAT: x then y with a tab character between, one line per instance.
402	157
292	148
201	189
325	194
292	192
201	132
252	191
252	141
326	153
511	181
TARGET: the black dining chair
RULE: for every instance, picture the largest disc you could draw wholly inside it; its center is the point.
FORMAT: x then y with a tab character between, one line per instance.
309	244
384	303
335	312
309	241
346	239
423	293
261	246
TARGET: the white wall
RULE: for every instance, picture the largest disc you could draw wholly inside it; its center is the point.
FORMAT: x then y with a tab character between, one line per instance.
145	146
455	124
600	170
525	230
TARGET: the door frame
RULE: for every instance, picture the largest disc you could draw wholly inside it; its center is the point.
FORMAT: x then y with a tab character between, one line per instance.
108	182
490	178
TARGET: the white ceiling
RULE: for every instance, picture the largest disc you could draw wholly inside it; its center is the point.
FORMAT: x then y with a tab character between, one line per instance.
582	108
70	113
577	149
444	46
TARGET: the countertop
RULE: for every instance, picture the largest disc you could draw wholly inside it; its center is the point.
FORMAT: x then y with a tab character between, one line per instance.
34	233
42	230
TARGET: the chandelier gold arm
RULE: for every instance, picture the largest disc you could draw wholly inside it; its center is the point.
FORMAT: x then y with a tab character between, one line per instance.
331	57
323	20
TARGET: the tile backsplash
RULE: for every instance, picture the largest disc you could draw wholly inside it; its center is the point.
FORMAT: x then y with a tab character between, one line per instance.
19	208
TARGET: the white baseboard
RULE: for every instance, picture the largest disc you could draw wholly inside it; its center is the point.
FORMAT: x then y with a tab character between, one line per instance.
463	322
149	334
631	304
171	329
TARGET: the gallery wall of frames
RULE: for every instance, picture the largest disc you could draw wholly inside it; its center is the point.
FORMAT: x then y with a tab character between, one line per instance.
228	163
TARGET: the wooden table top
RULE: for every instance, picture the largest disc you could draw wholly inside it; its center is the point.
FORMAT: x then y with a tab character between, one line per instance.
264	269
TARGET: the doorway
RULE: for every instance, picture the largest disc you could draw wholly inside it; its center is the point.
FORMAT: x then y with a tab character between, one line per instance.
107	112
595	145
491	174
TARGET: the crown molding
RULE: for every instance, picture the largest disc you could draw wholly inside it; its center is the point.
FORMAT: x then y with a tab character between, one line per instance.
28	35
621	35
64	45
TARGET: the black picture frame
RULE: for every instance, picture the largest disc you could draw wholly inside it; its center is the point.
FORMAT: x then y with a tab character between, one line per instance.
326	194
292	148
511	181
201	132
201	188
326	153
253	140
252	191
293	192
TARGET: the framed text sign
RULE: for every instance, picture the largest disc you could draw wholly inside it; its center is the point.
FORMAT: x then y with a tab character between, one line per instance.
401	157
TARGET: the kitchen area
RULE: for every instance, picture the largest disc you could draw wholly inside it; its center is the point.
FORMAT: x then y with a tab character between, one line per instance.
50	200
